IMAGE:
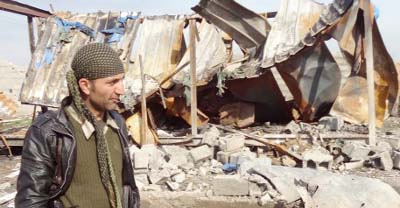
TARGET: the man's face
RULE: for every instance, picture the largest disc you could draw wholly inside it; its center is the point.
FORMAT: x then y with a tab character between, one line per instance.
103	94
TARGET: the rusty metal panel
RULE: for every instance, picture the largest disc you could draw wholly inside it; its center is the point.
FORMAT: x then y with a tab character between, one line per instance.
313	77
211	54
45	82
294	20
354	94
264	92
159	42
293	24
249	29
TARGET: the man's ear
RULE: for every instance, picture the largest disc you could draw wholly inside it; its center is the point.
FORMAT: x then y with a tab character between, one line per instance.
84	85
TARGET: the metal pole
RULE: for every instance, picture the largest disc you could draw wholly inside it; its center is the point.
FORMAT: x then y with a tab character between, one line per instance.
193	85
31	34
369	58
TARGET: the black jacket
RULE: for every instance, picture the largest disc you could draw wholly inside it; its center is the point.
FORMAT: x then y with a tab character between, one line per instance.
48	162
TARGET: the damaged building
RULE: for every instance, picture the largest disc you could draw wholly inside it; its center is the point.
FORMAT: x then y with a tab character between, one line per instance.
229	102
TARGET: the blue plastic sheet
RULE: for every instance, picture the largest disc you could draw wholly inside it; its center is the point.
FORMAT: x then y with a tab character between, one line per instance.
66	26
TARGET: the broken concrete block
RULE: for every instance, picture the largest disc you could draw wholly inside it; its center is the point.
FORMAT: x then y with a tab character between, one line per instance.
331	123
230	185
200	153
352	165
179	178
394	142
223	156
292	128
240	157
254	190
210	136
356	151
317	157
141	159
265	199
384	161
396	159
141	181
202	171
263	163
286	189
176	155
231	142
158	177
173	186
382	147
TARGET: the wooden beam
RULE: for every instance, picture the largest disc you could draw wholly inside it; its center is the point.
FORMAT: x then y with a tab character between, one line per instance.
369	58
193	81
23	9
143	136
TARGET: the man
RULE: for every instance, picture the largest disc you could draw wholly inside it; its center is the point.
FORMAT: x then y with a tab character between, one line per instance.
78	156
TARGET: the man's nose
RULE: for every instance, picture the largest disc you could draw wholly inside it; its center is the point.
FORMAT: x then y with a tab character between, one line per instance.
120	88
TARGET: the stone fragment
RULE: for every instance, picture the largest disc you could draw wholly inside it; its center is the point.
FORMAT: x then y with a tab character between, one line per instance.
173	186
331	123
210	136
179	178
317	157
261	163
286	189
396	159
356	151
288	161
230	185
231	142
254	190
200	153
176	155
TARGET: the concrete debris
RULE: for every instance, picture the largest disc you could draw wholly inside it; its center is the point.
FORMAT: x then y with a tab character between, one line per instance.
292	128
394	142
230	185
210	136
263	163
356	151
286	188
352	165
7	197
288	161
200	153
396	159
383	161
239	157
231	142
173	186
317	158
331	123
254	190
177	155
265	199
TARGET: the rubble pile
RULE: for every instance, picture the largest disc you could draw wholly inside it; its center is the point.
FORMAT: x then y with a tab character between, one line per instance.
224	164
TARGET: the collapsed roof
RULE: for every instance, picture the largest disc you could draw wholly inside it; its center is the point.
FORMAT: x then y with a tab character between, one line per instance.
289	53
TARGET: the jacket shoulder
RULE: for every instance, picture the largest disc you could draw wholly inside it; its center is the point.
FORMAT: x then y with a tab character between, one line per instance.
44	119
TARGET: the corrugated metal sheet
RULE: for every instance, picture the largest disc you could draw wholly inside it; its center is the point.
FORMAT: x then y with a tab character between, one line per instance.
352	103
210	55
248	28
161	45
294	22
45	82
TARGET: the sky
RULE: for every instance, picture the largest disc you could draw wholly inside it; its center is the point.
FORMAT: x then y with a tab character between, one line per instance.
14	40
